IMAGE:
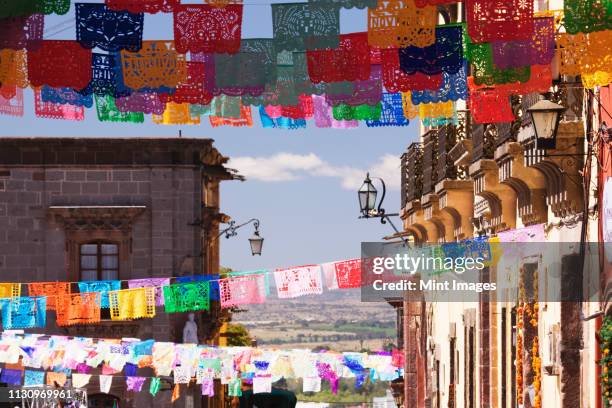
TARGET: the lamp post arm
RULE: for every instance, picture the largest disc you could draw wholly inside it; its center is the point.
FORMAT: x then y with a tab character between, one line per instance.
230	231
382	197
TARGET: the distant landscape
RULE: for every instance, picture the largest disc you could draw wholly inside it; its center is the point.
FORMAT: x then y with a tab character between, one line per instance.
336	319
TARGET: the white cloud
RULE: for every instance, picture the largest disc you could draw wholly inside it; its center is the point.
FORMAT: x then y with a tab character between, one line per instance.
289	166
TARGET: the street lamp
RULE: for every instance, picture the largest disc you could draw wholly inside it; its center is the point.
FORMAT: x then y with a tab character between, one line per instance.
256	241
367	195
545	116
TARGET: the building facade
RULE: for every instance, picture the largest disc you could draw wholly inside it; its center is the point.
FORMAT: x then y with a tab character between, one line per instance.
97	209
463	180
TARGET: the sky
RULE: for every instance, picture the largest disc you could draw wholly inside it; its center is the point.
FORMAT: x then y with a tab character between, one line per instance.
301	184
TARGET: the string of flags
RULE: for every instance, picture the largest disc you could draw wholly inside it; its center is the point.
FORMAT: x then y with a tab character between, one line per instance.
83	302
34	360
307	72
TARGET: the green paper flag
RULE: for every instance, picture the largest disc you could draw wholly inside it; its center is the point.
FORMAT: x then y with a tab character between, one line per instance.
234	388
187	297
108	112
154	387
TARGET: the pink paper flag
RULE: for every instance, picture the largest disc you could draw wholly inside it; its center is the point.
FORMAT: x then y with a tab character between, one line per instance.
298	281
242	290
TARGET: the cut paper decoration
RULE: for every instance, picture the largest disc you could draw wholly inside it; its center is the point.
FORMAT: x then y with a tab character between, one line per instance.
396	80
65	96
489	21
302	26
234	388
298	281
156	283
106	77
323	115
55	110
400	23
192	89
311	384
34	378
79	308
242	290
349	62
348	273
490	106
56	379
182	375
8	290
365	92
539	81
23	312
205	28
245	119
109	30
208	387
105	383
186	297
80	380
176	114
585	16
246	72
143	6
14	68
176	392
156	65
392	113
262	385
134	383
437	114
588	55
280	122
539	49
154	386
445	55
360	4
416	25
25	8
22	32
454	87
102	287
129	304
143	102
360	112
213	280
12	106
107	111
383	23
485	71
60	63
10	376
51	290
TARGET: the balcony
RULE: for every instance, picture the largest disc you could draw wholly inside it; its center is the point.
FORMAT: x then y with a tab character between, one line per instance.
412	176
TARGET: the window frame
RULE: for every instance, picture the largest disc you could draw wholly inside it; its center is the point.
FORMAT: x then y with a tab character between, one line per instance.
99	257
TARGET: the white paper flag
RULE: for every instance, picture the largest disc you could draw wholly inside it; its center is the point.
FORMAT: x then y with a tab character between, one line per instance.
80	380
105	383
311	384
262	384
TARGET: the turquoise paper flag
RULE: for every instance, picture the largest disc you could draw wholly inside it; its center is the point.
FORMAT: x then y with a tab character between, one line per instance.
154	387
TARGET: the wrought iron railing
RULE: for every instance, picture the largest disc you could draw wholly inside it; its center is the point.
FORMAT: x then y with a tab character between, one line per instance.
484	138
412	175
430	158
447	137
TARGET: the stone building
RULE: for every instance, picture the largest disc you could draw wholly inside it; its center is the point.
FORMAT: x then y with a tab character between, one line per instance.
464	180
76	209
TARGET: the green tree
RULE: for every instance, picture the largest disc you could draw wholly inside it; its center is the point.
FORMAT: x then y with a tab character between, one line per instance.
238	335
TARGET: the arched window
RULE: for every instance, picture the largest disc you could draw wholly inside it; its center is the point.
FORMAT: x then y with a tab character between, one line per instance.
103	401
99	260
